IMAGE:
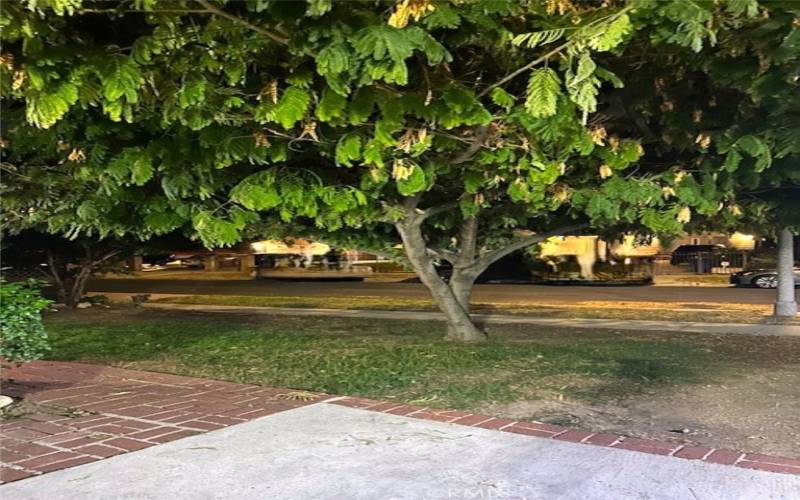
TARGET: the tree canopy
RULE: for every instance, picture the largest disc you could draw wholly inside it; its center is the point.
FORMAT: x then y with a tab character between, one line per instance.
465	129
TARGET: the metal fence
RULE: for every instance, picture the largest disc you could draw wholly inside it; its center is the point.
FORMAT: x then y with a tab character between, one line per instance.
710	262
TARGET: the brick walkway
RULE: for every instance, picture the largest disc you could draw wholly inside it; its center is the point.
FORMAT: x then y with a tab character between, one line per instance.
118	411
130	410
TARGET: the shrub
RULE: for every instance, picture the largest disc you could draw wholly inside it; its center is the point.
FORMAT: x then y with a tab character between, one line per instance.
22	334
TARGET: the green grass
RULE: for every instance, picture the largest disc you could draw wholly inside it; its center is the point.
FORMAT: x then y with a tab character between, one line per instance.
405	360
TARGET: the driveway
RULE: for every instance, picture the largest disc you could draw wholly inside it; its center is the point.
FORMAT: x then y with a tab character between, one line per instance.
330	451
482	293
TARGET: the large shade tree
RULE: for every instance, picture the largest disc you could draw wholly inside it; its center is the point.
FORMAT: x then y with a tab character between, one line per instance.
464	130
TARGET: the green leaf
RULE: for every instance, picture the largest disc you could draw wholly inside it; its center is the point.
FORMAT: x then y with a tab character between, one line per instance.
533	40
502	98
544	87
141	170
121	77
331	105
613	34
257	192
317	8
414	183
292	107
348	149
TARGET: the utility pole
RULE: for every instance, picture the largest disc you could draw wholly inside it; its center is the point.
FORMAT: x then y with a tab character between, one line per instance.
786	301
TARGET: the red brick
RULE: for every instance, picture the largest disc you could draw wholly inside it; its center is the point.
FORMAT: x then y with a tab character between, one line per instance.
471	420
47	427
100	450
355	402
769	459
93	422
46	417
786	469
10	456
66	464
25	434
164	415
219	419
539	426
184	417
136	424
250	415
383	406
37	462
450	414
75	443
158	431
7	474
725	457
573	436
138	411
405	410
173	436
113	429
692	452
601	439
60	438
128	444
516	429
647	446
495	423
206	426
426	415
32	449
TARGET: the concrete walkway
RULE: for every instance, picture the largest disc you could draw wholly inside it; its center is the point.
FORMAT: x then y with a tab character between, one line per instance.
328	451
610	324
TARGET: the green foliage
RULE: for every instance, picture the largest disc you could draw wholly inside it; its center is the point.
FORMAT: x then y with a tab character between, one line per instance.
544	87
22	335
291	107
513	113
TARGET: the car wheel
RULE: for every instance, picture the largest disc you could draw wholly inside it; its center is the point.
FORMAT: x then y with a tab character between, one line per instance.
766	281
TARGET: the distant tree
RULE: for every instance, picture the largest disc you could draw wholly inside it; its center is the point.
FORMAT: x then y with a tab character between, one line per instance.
463	130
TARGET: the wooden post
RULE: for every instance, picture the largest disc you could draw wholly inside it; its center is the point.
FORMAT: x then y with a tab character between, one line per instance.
210	263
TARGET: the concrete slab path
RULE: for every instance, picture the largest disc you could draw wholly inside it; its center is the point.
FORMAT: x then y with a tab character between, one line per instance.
329	451
610	324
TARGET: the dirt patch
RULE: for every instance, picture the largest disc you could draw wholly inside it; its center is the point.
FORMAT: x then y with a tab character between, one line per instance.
757	411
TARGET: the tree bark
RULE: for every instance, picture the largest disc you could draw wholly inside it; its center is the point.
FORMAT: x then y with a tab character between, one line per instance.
456	309
453	297
70	284
786	301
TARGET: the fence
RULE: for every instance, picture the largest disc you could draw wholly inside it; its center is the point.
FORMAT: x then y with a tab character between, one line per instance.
710	262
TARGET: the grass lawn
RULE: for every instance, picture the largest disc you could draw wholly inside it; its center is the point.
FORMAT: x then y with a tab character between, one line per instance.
559	375
673	311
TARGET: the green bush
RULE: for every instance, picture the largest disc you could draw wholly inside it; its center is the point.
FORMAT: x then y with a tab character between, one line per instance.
22	334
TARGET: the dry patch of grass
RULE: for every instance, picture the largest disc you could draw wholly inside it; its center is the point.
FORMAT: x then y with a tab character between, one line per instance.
654	311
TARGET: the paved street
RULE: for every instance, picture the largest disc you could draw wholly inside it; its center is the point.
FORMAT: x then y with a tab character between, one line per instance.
329	451
504	319
482	293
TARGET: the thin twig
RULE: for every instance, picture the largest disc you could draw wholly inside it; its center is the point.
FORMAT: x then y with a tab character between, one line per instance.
214	10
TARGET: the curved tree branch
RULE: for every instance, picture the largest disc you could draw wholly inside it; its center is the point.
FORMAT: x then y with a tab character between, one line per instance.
481	263
219	12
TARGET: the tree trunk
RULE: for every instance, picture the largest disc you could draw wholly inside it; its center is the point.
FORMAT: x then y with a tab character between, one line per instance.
461	287
456	309
786	302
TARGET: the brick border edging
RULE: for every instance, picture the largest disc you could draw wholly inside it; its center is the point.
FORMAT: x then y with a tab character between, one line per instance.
758	461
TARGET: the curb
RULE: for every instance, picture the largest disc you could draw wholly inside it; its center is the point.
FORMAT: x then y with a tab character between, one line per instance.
757	461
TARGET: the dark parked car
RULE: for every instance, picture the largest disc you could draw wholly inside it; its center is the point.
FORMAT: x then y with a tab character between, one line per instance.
761	278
